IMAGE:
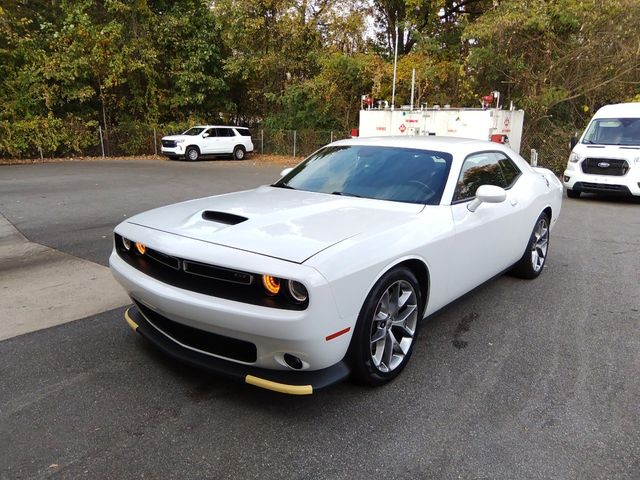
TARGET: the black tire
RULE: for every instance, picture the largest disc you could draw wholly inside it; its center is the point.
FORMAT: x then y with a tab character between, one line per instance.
573	193
192	154
525	266
363	351
239	153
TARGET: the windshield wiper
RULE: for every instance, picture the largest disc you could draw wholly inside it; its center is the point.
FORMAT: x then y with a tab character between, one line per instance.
283	185
346	194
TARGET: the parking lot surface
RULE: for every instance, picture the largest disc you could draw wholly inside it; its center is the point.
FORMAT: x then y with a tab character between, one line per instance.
519	379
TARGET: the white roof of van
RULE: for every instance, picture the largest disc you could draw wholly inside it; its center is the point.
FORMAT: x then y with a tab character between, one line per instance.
619	110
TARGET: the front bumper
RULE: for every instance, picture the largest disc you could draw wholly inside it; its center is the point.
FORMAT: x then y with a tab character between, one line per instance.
176	151
575	179
308	334
289	382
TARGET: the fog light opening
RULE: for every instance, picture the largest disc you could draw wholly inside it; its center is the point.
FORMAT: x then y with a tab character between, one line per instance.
566	179
293	361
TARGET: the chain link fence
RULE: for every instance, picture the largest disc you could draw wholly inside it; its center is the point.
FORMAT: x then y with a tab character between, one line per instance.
551	141
141	140
44	139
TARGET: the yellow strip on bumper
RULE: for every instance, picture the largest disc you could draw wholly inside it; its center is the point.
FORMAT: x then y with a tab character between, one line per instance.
279	387
127	317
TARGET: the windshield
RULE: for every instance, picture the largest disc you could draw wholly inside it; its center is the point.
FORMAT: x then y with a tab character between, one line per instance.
613	131
194	131
383	173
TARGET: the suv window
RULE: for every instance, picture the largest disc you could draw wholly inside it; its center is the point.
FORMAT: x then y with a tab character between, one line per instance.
486	168
244	132
225	132
212	132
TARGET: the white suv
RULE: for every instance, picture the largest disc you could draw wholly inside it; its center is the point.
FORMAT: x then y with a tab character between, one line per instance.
208	140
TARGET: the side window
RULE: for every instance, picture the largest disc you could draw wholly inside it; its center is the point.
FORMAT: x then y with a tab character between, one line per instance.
224	132
244	132
509	169
212	132
478	169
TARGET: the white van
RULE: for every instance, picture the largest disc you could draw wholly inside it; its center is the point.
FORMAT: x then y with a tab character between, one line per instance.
606	158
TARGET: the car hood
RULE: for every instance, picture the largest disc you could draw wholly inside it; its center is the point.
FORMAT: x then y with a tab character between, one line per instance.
287	224
178	137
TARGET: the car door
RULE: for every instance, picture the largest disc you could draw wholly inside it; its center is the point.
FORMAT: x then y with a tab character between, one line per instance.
209	141
226	139
486	241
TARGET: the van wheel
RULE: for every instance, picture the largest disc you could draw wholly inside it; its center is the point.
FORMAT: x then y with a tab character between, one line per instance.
192	154
239	153
573	193
387	328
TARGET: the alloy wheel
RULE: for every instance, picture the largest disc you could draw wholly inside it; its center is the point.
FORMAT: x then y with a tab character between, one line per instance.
394	325
540	244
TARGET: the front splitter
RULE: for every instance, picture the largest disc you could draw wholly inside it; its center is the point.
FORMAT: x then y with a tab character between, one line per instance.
282	381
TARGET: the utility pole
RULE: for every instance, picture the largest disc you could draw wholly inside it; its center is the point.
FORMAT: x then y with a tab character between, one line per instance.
395	66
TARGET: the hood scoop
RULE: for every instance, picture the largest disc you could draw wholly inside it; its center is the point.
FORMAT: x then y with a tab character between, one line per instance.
223	217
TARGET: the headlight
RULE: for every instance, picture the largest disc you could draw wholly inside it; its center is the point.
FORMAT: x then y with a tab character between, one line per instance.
179	141
285	289
271	284
141	248
126	243
574	157
298	291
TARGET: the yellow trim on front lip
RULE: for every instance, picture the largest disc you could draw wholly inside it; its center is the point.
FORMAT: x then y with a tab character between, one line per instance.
279	387
127	317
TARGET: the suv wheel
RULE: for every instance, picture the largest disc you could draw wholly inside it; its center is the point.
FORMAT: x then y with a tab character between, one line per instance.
239	153
192	154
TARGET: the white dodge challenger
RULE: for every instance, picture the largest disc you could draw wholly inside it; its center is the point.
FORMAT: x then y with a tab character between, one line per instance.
327	273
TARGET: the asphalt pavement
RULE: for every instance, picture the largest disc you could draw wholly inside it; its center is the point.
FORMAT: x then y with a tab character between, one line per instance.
519	379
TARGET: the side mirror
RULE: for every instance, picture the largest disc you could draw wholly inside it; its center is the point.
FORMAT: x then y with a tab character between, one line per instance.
574	141
205	135
487	194
286	172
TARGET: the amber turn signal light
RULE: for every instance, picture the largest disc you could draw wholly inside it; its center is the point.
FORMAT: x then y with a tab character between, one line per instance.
271	284
141	248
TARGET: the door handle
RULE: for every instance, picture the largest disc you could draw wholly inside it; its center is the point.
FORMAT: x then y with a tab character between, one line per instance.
514	202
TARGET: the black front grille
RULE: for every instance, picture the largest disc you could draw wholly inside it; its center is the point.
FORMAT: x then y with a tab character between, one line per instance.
605	166
205	278
601	188
202	340
169	143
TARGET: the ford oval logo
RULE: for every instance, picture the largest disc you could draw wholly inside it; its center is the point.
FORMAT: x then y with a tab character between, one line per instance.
604	165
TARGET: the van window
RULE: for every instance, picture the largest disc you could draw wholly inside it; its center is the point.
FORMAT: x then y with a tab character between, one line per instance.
613	131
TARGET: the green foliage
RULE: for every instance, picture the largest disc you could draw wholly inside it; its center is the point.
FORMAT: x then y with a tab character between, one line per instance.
130	66
46	135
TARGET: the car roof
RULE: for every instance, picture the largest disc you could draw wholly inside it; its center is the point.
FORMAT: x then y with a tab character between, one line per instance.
619	110
454	145
218	126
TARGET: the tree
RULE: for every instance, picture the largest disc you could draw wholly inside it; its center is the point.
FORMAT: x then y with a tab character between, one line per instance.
559	60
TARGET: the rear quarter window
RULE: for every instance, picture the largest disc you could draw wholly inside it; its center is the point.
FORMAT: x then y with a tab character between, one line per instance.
244	132
509	169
